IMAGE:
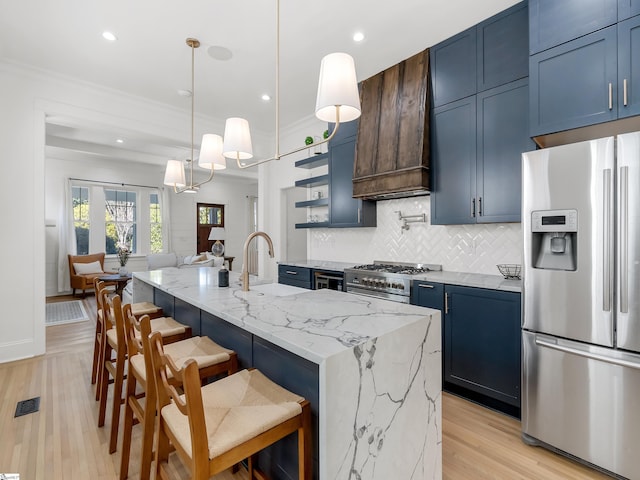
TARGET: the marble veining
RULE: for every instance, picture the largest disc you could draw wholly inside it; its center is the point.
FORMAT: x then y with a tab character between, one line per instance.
493	282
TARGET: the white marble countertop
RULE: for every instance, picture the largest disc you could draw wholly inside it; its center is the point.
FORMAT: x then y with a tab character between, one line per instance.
494	282
320	264
314	324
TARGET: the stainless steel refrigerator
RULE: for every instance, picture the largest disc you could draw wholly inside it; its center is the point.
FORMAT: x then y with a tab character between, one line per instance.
581	301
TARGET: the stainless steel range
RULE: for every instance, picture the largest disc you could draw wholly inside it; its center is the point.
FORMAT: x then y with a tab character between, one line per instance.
389	280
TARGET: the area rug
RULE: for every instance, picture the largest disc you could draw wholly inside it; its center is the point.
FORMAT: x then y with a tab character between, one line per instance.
65	312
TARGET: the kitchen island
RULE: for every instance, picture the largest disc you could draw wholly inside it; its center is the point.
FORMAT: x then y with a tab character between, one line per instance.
370	368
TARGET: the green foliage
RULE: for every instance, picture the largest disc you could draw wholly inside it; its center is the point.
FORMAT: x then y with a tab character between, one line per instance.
308	140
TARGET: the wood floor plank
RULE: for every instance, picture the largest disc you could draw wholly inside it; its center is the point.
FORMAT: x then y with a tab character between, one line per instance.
62	440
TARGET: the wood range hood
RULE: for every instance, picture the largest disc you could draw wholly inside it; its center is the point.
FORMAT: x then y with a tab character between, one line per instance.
392	148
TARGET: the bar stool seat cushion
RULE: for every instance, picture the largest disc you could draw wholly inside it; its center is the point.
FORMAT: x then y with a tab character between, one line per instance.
202	349
237	408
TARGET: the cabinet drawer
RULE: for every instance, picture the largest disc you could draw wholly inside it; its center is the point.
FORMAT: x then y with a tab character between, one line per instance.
428	294
295	276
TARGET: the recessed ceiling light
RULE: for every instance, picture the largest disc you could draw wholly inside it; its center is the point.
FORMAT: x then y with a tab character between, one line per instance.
358	37
119	140
109	36
266	97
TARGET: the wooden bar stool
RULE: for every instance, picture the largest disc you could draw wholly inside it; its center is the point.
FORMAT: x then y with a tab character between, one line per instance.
214	427
170	330
212	359
139	309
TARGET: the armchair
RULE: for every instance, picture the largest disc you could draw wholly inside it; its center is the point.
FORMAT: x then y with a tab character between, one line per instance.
85	281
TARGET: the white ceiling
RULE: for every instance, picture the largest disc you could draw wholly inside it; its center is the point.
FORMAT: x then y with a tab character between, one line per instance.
150	59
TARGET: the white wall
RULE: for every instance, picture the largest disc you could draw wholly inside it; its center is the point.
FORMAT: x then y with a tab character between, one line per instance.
26	97
228	191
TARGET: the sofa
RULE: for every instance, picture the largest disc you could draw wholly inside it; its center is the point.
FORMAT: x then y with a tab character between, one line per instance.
157	261
83	270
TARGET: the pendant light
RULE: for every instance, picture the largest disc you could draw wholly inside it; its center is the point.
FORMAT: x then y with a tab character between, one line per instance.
210	157
337	101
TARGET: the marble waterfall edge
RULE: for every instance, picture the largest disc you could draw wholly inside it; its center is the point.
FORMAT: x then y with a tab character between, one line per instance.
384	424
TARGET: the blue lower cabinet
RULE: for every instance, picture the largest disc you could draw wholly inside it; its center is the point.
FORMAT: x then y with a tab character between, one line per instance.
295	276
187	314
229	336
280	461
164	301
482	342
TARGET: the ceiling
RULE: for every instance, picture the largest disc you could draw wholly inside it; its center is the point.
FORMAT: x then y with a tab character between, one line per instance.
150	58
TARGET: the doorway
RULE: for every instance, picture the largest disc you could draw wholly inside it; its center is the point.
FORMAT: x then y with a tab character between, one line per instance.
208	215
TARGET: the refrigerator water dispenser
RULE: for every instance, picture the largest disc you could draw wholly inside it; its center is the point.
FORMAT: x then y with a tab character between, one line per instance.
554	239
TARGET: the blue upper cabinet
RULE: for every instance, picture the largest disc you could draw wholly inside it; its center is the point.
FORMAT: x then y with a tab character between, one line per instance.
574	84
453	157
628	69
502	136
554	22
502	48
628	8
489	54
453	68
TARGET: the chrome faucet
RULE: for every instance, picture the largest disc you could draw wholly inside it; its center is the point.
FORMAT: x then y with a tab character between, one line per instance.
245	253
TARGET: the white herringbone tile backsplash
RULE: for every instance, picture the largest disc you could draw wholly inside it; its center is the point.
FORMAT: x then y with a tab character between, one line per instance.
459	248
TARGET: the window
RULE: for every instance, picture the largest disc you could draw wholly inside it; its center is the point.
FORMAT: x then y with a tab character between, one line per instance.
130	216
120	220
80	198
155	216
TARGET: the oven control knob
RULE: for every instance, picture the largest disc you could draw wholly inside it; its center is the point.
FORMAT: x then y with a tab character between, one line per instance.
400	286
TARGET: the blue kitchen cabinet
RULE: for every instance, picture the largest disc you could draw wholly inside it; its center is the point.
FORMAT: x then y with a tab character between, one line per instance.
629	67
187	314
487	55
476	151
503	48
574	84
453	68
427	294
295	276
344	210
482	344
502	136
554	22
301	377
229	336
628	9
453	158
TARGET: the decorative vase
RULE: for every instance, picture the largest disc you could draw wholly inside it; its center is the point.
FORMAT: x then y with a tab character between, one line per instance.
122	271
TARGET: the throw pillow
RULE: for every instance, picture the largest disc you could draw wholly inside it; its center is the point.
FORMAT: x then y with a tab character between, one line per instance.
86	268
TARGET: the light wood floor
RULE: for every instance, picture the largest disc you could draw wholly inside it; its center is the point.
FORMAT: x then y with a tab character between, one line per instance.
62	441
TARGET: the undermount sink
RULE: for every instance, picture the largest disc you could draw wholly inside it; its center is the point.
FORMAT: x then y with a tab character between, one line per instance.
277	289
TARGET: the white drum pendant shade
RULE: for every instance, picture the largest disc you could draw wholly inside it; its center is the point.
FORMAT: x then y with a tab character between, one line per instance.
237	139
337	85
174	174
211	152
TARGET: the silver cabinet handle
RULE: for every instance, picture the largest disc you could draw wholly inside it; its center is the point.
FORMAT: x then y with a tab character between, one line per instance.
584	353
479	206
473	207
606	243
289	272
425	285
446	303
610	96
624	239
624	91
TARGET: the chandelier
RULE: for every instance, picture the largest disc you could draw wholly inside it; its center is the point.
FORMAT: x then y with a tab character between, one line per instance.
210	157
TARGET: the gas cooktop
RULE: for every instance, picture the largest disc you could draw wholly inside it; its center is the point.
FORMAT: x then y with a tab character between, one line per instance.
398	267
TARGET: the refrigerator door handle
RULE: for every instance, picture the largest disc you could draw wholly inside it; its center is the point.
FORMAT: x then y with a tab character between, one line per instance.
607	233
624	239
588	354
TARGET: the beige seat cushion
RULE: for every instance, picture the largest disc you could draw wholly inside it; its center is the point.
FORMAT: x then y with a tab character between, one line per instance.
203	350
144	308
167	326
236	409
